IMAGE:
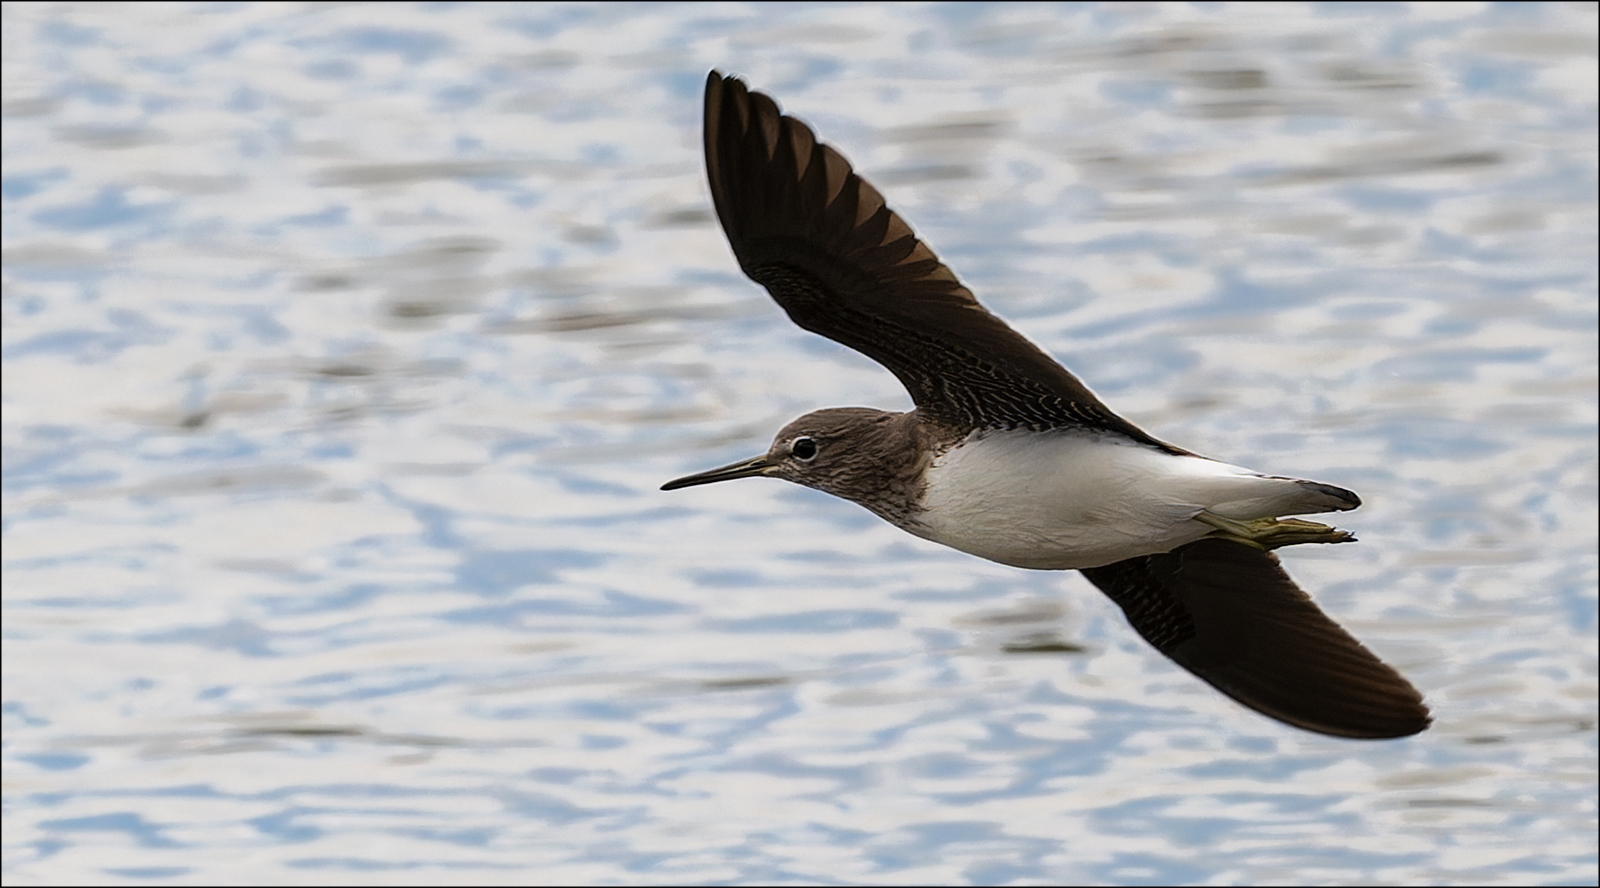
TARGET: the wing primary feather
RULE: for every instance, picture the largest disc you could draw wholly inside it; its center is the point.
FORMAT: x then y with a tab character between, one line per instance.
831	252
1231	615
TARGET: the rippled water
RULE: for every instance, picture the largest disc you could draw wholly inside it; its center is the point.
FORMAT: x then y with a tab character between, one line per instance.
346	346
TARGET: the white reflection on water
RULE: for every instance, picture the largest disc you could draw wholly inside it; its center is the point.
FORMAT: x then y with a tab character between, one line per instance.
344	352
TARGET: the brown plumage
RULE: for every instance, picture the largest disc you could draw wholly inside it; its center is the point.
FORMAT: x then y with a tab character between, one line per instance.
842	264
1229	614
823	243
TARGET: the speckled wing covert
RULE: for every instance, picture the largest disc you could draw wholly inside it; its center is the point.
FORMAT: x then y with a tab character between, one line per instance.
1230	615
843	265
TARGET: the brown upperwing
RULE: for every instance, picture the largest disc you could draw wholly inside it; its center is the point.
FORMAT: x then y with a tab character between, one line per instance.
845	266
1230	615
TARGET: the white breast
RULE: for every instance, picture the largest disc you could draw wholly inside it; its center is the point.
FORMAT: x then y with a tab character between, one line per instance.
1072	499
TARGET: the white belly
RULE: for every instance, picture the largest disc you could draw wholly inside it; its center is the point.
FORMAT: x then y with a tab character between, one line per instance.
1071	499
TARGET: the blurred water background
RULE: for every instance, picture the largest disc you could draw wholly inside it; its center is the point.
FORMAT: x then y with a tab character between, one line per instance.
346	345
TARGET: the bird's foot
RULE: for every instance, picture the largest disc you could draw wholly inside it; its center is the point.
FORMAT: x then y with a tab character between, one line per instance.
1267	534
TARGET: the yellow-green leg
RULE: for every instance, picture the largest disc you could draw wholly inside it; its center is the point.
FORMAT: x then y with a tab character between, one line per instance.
1267	534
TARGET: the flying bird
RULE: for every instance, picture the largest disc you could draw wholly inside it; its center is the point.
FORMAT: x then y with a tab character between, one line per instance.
1009	457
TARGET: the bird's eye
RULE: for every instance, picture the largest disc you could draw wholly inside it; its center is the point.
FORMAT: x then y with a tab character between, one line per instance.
803	449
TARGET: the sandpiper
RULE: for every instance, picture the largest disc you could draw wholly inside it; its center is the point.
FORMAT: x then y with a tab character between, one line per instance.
1009	457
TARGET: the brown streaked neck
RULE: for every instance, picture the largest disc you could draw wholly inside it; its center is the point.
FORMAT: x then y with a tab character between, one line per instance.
883	465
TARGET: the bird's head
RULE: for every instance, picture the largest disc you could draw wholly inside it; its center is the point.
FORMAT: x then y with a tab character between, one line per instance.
855	453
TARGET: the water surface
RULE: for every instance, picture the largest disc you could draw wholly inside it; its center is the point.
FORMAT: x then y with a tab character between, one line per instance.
346	346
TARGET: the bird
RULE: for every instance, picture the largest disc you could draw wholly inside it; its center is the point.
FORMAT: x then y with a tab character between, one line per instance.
1007	456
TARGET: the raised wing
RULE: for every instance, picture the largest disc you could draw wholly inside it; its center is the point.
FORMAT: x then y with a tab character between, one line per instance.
1229	614
843	265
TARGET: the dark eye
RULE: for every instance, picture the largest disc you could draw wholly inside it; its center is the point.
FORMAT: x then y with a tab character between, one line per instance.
803	449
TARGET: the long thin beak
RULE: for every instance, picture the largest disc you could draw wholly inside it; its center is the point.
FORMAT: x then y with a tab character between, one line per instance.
749	468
